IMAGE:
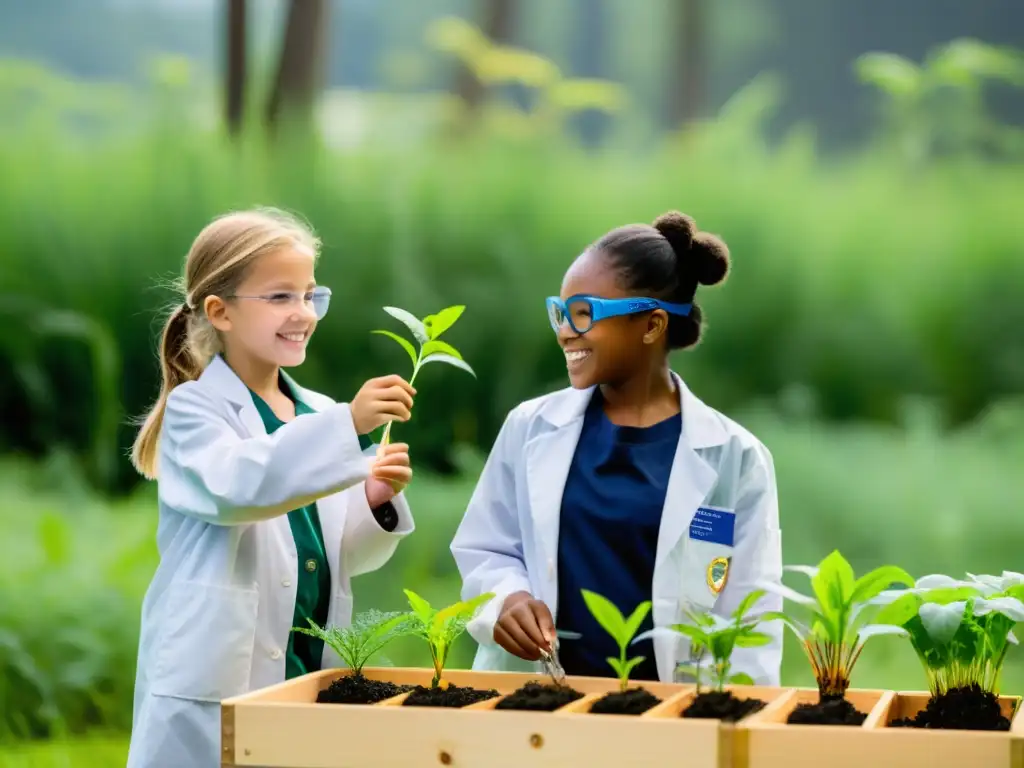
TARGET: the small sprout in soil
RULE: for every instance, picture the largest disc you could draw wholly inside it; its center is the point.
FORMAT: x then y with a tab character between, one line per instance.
961	631
622	629
837	629
710	633
427	333
540	697
440	628
355	645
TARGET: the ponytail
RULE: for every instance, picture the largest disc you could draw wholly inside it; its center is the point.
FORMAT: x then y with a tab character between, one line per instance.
178	364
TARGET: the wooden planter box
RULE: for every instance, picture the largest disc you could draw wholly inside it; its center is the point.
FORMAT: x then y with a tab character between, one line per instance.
765	740
284	727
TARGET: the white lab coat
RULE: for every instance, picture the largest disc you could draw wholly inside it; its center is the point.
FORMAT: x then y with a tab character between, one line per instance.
508	540
217	616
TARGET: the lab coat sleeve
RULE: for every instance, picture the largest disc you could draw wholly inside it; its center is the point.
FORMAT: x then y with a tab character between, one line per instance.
488	545
366	546
757	557
209	472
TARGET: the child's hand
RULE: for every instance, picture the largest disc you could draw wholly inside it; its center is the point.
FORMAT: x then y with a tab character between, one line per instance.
390	473
378	401
525	626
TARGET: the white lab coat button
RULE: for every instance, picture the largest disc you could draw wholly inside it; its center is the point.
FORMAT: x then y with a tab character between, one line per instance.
286	582
275	654
551	569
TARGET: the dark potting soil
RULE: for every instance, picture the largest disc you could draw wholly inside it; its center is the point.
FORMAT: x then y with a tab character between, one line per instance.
722	705
453	696
968	709
540	697
826	712
635	701
356	689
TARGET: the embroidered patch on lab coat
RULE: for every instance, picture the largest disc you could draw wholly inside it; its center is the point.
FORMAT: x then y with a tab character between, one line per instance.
718	574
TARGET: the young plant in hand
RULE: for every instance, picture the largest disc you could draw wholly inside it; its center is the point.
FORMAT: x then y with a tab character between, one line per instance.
427	333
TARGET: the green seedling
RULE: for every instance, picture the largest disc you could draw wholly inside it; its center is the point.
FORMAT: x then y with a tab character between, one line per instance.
960	630
710	633
839	610
356	644
431	349
620	628
441	628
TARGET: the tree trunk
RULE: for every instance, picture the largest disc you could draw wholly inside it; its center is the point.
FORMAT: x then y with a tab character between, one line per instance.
498	25
301	64
235	66
689	62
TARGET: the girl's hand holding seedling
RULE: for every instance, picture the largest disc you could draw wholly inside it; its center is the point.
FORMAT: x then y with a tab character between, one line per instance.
525	626
380	401
390	473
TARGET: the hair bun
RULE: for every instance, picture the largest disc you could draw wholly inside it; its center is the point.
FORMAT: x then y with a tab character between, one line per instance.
706	255
678	229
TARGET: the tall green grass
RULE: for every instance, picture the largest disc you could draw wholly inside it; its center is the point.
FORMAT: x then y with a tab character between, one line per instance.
73	569
856	285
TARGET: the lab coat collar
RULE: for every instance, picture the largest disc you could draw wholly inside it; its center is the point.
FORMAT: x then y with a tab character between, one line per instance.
701	425
219	376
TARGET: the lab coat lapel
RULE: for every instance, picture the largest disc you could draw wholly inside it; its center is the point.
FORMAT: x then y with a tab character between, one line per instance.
548	458
220	377
691	478
690	482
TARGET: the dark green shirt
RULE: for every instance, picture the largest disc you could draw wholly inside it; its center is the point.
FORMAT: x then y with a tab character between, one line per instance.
313	585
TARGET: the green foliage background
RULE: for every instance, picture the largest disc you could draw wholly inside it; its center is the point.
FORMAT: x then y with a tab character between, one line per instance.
869	334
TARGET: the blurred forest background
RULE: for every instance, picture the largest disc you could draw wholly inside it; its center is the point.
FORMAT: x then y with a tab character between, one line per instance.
864	161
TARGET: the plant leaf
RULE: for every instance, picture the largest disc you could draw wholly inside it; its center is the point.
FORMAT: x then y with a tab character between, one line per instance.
635	620
420	606
752	640
632	663
432	347
807	570
871	630
437	324
406	345
607	615
411	322
440	358
1009	607
899	611
873	582
741	678
747	602
787	593
941	622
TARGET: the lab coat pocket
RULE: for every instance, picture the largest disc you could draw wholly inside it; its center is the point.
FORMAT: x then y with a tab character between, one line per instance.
707	557
207	635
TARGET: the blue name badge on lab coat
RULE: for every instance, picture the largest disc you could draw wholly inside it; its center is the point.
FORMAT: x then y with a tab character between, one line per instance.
716	526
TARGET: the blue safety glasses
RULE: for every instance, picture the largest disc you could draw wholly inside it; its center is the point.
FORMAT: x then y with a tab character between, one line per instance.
581	312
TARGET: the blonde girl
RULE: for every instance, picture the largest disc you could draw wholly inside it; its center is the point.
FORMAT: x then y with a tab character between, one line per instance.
268	504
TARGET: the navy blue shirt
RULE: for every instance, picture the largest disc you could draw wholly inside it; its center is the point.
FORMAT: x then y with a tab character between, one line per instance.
608	537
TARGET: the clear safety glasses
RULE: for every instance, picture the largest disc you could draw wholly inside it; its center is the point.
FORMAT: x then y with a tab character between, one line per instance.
319	298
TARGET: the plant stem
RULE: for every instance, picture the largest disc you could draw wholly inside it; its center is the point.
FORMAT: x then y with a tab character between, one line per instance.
415	370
